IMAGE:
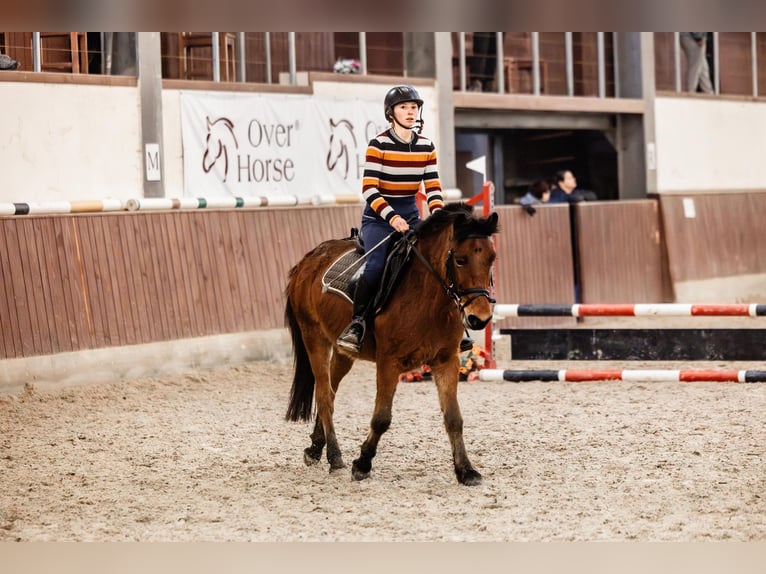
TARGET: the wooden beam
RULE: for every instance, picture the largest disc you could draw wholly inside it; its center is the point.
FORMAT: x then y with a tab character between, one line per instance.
481	100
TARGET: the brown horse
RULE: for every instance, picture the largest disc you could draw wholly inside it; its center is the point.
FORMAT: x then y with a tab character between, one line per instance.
443	288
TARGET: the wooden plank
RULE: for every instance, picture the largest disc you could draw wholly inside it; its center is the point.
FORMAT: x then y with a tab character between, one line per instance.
534	262
102	232
208	252
53	290
491	101
251	253
619	250
175	284
29	284
35	287
188	293
276	272
155	296
205	301
104	274
119	259
220	255
66	254
240	255
136	242
92	280
233	258
163	288
24	327
8	310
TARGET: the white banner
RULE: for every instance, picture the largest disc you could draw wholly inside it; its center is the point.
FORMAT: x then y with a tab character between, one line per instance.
243	145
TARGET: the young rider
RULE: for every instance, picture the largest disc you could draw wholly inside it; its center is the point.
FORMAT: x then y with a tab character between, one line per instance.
396	163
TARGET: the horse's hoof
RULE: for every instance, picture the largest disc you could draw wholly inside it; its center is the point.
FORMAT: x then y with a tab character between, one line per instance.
309	458
359	473
336	466
469	478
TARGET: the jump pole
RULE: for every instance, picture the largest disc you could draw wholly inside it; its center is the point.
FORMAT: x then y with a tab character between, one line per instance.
579	376
632	310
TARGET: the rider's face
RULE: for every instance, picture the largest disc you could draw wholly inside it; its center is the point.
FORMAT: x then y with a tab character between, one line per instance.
406	113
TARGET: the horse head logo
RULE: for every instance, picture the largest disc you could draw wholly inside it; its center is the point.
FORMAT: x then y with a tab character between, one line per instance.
220	136
341	138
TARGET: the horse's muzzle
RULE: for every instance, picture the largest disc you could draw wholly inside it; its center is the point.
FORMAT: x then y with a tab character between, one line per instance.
477	323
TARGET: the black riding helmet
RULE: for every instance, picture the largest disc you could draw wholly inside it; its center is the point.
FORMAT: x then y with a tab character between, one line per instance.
398	95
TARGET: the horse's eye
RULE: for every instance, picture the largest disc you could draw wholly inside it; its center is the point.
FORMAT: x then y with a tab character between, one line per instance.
460	261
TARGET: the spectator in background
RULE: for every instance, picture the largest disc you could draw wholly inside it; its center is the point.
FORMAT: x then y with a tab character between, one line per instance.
566	190
697	70
539	192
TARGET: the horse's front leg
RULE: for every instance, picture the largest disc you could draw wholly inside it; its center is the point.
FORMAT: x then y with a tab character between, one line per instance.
445	374
387	379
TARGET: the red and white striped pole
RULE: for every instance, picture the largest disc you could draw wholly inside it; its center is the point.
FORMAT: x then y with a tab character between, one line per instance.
632	310
649	375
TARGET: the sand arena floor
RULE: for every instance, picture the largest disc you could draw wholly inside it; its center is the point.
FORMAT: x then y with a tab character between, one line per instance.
208	456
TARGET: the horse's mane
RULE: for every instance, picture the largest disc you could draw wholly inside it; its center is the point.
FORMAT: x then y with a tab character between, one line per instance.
460	215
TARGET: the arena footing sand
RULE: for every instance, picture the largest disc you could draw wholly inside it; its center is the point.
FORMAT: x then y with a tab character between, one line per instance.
208	456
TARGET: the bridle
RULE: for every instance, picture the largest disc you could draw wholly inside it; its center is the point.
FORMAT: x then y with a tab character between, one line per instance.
456	295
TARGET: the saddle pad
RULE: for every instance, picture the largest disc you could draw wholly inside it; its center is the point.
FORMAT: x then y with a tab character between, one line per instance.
342	273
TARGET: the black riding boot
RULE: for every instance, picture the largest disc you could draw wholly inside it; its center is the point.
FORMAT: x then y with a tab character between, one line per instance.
353	336
466	344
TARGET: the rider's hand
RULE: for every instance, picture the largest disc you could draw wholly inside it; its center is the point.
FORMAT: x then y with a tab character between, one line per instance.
400	224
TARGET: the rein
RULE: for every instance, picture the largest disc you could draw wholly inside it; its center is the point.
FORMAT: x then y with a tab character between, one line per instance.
449	285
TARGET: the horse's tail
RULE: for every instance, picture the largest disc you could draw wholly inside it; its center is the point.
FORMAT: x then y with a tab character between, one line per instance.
302	391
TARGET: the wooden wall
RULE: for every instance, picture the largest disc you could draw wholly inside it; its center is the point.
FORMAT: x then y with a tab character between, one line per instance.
74	282
621	252
89	281
725	238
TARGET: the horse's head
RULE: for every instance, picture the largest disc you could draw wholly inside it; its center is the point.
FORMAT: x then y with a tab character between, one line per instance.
465	259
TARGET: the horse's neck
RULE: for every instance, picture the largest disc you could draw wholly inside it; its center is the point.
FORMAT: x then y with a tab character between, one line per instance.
434	250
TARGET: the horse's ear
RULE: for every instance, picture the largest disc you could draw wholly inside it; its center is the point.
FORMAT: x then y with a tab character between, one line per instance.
460	219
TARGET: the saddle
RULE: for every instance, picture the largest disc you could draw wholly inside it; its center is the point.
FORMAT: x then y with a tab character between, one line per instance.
342	275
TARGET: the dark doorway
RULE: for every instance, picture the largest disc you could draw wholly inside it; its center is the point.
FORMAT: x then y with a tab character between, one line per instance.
517	157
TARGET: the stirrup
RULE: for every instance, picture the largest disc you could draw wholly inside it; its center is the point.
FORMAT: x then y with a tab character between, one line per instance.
352	336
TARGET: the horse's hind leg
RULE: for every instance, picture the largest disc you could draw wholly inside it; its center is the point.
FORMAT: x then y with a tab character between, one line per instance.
387	379
446	378
340	365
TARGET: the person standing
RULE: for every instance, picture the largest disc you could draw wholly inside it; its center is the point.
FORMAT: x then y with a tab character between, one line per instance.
697	70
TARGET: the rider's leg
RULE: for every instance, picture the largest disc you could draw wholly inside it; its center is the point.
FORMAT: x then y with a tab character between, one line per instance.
373	233
353	336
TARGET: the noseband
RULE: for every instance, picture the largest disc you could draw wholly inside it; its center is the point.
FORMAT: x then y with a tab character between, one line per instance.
449	285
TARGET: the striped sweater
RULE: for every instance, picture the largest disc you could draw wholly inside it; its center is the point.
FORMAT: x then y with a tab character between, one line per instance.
395	169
